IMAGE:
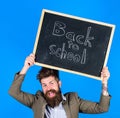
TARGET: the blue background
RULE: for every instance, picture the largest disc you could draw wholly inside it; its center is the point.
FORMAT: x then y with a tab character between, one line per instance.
19	20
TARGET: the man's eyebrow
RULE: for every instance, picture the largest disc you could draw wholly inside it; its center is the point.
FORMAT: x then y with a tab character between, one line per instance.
43	83
49	82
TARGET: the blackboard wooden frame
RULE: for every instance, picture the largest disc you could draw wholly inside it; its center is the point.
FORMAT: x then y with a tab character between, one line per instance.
43	33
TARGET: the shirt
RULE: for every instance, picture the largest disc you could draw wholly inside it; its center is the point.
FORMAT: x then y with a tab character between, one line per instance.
56	112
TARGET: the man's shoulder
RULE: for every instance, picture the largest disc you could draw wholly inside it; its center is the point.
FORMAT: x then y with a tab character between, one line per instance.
71	94
40	96
72	97
39	93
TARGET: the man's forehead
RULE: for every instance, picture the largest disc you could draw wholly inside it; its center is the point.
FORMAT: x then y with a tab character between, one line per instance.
47	79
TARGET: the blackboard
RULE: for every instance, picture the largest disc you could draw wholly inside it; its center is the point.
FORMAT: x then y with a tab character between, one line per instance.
73	44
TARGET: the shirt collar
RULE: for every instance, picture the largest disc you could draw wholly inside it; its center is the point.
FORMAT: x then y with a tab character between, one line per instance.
63	97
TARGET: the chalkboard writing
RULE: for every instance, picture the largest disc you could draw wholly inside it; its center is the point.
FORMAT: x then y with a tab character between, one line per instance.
72	44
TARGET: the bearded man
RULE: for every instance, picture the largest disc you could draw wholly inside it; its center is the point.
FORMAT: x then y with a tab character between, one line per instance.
51	102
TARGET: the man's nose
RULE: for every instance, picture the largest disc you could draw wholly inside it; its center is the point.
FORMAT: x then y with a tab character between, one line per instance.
48	87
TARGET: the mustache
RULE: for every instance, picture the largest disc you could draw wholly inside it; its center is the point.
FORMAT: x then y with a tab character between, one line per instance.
52	90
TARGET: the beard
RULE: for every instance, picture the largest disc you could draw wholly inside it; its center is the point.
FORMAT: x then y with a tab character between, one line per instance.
53	101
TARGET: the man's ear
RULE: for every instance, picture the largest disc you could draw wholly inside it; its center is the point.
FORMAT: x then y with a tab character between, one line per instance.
60	83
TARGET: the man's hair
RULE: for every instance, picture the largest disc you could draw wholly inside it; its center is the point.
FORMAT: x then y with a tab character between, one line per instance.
46	72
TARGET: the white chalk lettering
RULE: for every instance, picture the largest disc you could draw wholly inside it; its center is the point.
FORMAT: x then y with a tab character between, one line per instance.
63	51
76	58
70	35
87	39
79	39
83	59
73	43
63	54
70	56
60	52
73	46
59	28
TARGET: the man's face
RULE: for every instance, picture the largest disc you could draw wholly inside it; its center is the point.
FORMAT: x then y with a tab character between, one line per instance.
50	86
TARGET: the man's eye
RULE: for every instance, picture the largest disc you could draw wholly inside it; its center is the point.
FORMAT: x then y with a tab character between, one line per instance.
52	83
44	85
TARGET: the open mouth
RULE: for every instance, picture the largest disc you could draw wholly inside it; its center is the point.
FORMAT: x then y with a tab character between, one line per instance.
51	93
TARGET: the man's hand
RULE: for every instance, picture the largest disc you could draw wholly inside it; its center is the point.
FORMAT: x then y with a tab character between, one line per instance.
29	61
105	74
